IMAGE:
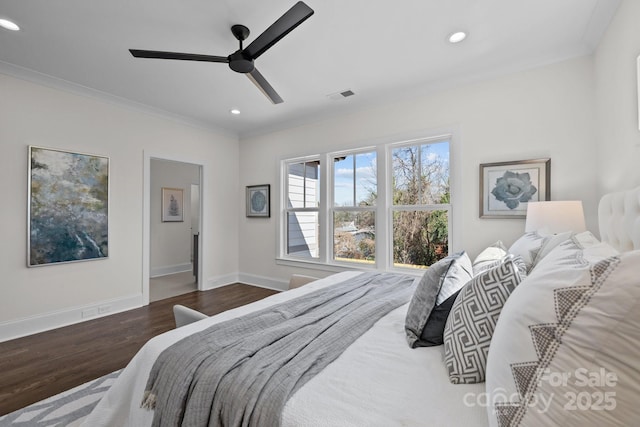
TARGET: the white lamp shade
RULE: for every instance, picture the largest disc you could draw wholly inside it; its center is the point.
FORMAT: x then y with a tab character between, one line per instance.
555	217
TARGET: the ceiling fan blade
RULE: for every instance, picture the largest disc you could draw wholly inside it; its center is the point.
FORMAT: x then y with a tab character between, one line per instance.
264	86
177	55
283	26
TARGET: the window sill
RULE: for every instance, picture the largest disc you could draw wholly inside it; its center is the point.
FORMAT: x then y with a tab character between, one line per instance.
338	268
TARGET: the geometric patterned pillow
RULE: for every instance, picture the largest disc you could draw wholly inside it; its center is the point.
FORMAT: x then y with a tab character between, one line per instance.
472	319
565	346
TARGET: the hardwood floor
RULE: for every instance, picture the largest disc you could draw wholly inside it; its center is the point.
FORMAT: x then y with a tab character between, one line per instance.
41	365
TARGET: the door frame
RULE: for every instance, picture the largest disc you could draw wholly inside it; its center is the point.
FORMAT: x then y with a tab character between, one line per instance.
146	216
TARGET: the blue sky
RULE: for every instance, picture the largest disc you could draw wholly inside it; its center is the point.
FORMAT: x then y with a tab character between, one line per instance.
365	173
344	179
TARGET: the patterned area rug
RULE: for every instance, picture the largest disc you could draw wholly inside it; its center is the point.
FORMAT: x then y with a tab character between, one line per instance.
62	410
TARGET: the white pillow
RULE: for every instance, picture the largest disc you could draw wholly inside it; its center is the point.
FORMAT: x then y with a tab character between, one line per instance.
594	250
565	348
549	243
527	246
585	245
487	258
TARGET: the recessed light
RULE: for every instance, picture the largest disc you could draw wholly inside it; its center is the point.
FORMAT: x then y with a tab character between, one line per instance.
5	23
457	37
234	111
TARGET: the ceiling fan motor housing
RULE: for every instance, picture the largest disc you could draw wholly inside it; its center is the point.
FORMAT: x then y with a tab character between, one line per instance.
240	62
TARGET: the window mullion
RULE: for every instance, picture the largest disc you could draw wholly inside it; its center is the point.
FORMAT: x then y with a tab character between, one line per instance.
324	211
384	254
419	176
354	180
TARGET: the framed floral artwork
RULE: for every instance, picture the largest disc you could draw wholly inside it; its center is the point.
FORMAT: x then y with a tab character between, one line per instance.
258	201
172	204
507	187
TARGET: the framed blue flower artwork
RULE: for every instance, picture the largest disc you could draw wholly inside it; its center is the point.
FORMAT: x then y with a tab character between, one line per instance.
507	187
258	201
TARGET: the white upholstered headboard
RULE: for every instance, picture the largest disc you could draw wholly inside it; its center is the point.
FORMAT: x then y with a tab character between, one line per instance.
619	219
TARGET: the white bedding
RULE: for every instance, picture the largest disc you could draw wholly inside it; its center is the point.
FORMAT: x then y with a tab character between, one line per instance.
377	381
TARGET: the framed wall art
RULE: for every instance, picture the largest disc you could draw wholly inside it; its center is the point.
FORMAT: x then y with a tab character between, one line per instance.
172	204
507	187
258	204
68	207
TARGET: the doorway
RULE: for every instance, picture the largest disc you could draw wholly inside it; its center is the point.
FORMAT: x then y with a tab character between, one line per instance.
174	216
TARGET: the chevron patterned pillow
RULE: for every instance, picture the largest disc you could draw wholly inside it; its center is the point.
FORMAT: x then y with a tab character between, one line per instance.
470	325
565	349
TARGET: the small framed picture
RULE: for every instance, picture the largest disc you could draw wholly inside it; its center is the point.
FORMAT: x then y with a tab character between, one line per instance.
507	187
258	204
172	204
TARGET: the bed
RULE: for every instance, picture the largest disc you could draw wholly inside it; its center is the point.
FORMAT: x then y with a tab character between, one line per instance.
380	380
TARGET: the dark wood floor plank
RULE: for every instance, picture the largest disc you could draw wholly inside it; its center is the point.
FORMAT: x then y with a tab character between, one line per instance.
42	365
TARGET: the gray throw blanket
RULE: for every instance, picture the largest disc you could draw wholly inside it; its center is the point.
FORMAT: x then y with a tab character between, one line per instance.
242	372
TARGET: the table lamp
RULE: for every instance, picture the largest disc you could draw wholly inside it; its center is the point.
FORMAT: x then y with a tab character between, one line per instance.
552	217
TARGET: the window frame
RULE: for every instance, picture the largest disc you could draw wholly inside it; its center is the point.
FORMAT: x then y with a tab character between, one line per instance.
285	210
383	209
421	207
332	208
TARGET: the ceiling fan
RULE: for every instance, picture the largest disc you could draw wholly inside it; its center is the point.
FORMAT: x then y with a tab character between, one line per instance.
241	60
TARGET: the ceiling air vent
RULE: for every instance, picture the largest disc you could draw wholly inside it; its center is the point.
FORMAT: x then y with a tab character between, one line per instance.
340	95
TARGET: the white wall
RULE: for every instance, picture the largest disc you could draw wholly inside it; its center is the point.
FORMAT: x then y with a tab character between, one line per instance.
617	101
547	112
45	297
581	113
170	249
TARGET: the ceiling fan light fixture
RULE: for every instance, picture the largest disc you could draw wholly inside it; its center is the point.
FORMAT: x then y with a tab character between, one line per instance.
457	37
5	23
234	111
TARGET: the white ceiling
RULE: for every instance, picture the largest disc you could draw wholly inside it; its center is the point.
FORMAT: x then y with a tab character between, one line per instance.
382	50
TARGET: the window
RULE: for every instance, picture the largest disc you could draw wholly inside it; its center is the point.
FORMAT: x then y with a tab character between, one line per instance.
421	203
353	212
382	207
302	211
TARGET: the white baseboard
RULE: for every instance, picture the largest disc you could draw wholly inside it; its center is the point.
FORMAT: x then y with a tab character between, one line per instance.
263	282
220	281
39	323
170	269
249	279
44	322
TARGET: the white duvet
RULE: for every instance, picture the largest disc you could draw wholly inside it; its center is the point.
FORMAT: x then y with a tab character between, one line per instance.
378	381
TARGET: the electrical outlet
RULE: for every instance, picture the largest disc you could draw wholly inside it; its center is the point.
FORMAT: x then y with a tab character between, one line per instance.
104	309
90	312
